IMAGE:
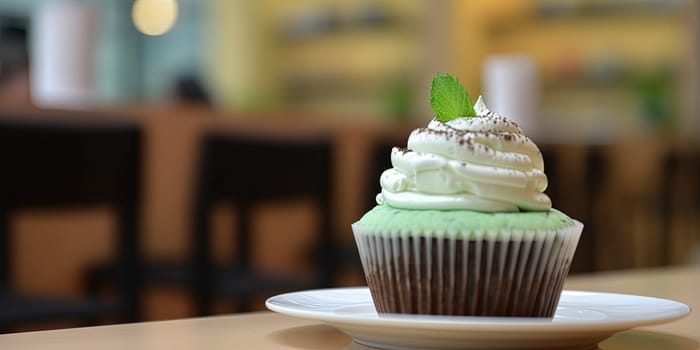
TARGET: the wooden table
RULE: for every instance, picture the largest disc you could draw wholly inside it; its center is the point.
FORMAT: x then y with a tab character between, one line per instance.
267	330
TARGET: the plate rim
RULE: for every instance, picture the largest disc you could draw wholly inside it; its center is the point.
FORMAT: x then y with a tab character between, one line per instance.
476	323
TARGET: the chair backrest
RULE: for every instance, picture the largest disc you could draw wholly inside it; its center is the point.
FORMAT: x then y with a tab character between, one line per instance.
248	169
48	163
245	168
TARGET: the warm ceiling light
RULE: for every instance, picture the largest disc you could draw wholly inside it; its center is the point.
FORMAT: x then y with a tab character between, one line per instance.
154	17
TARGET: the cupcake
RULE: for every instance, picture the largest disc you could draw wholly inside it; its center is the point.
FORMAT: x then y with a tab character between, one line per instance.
462	225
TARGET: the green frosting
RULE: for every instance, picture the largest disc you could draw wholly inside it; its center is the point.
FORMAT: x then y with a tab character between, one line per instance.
387	219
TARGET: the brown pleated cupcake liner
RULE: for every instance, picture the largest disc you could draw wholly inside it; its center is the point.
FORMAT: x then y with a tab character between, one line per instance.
519	273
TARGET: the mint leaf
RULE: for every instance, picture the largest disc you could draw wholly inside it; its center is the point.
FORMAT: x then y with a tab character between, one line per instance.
449	100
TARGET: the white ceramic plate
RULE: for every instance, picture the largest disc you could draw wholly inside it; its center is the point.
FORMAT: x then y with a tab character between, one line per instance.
582	320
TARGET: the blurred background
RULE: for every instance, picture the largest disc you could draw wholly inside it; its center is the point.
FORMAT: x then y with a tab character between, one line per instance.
608	89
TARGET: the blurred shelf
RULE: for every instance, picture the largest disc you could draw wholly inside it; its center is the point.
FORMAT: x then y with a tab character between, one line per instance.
607	68
548	13
348	58
549	9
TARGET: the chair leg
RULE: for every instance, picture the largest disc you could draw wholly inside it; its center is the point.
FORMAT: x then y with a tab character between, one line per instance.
245	304
327	260
129	274
5	251
245	240
201	267
244	248
5	258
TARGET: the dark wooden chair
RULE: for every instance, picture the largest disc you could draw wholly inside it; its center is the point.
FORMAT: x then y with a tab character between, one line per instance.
680	204
55	163
246	171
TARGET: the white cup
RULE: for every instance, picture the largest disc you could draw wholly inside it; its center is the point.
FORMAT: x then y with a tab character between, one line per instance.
511	89
64	37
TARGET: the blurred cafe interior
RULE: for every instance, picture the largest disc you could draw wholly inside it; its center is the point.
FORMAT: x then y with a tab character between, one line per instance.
172	158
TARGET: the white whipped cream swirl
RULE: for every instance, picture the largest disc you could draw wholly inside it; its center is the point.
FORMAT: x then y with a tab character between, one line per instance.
483	163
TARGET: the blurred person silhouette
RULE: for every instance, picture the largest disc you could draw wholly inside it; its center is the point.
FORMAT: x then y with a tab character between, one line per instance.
189	89
14	66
